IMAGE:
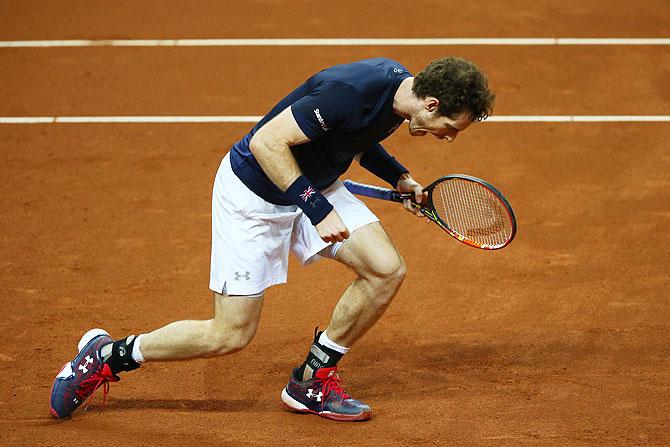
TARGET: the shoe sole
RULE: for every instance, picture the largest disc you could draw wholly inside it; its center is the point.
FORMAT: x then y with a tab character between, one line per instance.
293	405
83	341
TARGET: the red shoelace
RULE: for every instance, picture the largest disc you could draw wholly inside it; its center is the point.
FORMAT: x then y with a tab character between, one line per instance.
333	383
89	386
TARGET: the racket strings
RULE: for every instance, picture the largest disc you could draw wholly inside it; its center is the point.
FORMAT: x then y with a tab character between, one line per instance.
472	211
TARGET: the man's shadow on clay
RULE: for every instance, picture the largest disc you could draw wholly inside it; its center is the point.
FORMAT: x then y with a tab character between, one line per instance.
211	405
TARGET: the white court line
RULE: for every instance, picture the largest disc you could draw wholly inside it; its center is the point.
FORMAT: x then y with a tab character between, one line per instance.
578	118
255	119
331	42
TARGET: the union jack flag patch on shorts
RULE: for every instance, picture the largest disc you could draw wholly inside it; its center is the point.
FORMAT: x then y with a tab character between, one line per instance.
309	192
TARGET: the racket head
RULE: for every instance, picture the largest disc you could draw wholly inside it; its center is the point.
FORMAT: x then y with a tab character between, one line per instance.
471	210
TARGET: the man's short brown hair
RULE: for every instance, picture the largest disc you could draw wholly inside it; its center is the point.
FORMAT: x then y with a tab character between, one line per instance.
459	86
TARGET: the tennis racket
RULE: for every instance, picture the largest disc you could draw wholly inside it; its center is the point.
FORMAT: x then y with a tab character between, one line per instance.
466	207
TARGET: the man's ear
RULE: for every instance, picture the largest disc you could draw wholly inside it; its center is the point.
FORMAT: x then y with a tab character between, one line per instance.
431	103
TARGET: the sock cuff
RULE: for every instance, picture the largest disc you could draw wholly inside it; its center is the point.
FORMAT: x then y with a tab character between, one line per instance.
137	354
330	344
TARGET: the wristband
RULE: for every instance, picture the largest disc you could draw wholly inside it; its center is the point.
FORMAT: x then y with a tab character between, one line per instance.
383	165
309	199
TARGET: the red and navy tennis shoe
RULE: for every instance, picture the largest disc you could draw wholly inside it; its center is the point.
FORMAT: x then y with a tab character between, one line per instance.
81	377
323	395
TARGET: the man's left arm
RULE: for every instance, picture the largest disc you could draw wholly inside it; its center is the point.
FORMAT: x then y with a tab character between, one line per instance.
384	165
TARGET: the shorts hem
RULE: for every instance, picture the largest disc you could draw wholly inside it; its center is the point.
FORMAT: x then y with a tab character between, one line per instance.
315	256
252	289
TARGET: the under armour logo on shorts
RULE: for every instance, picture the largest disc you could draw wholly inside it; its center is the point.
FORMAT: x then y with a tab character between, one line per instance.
239	276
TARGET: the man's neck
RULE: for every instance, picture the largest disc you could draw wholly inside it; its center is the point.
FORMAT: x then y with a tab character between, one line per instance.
404	101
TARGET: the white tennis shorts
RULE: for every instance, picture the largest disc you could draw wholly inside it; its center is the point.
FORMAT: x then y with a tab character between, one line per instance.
251	238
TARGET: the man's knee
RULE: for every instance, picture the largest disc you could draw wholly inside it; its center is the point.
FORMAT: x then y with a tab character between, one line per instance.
373	256
227	339
388	272
232	329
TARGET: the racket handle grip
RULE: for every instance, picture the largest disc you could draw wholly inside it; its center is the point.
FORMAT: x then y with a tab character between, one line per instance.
376	192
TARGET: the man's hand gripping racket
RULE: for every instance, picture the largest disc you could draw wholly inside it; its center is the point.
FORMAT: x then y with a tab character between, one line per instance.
468	208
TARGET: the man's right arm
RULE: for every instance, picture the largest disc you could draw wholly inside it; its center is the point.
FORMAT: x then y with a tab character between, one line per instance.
271	146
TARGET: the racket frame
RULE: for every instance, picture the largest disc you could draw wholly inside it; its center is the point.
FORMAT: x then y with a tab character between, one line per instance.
428	209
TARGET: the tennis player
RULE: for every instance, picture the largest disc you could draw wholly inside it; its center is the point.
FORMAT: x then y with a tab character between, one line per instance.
278	190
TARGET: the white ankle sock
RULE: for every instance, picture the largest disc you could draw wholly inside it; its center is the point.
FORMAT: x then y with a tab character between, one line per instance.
328	343
137	354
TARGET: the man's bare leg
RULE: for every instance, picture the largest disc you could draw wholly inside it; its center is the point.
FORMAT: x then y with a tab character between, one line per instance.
315	386
381	270
232	328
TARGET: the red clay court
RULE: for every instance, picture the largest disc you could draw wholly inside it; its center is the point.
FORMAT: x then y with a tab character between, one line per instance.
560	339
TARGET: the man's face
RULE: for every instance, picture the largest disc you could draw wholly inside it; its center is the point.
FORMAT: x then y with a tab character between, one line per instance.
428	121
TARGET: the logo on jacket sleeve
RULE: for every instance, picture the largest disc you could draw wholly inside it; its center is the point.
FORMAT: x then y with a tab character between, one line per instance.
317	112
